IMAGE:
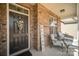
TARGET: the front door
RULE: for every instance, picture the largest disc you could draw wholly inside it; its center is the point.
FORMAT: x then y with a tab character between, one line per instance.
18	32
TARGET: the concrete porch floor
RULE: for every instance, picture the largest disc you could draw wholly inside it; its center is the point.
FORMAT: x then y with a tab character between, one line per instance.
54	51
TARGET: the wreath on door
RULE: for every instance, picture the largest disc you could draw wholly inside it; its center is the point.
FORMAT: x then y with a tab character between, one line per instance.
20	25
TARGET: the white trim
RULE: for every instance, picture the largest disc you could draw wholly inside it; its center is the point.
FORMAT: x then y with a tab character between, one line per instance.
23	50
18	12
38	37
20	6
7	6
29	28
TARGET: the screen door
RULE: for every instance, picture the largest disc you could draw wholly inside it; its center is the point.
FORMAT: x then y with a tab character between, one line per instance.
18	32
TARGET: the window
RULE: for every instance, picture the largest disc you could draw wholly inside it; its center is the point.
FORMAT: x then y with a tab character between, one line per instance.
19	9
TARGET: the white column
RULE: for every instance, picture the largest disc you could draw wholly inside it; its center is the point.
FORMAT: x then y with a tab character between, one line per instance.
42	37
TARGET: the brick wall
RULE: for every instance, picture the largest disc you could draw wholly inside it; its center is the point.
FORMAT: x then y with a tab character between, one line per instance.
3	30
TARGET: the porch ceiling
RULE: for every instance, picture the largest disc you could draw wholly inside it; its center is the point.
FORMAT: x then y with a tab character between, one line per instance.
70	9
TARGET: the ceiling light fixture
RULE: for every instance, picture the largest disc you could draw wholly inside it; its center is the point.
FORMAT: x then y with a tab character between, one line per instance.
62	10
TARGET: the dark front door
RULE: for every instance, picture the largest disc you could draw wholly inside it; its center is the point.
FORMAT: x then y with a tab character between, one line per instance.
18	32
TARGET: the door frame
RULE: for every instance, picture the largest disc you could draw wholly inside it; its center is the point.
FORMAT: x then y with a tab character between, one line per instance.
8	10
